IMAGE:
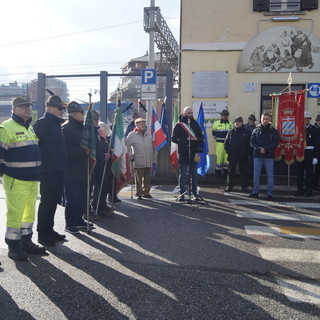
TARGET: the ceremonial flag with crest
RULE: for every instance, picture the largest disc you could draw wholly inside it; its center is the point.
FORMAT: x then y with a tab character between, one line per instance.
288	117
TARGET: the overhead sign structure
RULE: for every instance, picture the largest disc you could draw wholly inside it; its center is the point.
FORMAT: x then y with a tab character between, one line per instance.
313	90
148	84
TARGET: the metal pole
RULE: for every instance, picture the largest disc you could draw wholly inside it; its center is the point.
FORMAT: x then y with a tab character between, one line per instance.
103	96
41	93
151	56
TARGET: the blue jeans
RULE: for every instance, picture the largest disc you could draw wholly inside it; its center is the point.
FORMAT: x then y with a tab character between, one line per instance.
183	168
76	194
268	164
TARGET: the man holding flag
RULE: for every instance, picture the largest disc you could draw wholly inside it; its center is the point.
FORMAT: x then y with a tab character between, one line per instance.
186	135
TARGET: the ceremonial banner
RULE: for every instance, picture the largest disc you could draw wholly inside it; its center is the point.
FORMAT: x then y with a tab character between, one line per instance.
288	115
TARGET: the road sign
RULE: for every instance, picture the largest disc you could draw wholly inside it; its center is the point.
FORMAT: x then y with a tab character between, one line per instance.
148	95
314	90
148	88
148	76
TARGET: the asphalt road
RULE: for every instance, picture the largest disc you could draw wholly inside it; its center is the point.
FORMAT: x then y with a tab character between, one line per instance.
230	257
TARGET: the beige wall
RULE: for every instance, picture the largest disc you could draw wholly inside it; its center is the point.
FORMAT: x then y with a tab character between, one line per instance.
213	35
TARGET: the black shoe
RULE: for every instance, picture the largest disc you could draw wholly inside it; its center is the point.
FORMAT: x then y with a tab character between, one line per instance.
17	256
228	189
46	240
30	247
269	197
147	196
57	236
116	199
254	195
83	225
139	198
72	230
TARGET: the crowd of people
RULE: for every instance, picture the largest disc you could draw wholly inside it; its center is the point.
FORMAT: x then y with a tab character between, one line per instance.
51	152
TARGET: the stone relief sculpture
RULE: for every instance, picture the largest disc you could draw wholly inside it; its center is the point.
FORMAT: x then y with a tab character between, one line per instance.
281	49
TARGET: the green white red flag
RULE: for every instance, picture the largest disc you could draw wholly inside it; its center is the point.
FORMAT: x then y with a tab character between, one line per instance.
120	160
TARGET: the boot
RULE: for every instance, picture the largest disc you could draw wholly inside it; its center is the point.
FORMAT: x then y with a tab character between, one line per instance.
31	247
16	251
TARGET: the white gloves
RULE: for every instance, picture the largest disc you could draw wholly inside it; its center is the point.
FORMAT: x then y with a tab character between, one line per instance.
314	161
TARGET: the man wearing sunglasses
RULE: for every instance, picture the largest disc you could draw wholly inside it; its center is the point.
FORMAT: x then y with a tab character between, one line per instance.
20	161
54	162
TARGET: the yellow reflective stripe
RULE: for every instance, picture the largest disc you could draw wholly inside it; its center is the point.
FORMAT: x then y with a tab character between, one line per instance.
23	144
23	164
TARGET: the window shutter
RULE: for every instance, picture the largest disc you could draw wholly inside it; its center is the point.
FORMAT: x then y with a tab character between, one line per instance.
260	5
309	4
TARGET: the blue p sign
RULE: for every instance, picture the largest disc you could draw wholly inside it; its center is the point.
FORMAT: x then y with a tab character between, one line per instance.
148	76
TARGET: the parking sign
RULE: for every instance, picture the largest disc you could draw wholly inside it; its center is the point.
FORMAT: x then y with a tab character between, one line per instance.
148	76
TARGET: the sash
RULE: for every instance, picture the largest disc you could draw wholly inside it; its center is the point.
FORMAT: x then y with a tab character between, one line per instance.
188	130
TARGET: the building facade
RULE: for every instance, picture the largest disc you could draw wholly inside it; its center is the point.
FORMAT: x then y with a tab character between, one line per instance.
235	54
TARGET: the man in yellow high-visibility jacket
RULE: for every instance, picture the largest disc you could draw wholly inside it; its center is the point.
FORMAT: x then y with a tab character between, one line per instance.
20	161
219	131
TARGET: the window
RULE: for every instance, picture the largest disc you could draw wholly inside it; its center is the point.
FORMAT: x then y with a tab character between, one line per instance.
278	6
267	89
284	5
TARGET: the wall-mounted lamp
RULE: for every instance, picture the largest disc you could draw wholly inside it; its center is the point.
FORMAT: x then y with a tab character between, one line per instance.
286	19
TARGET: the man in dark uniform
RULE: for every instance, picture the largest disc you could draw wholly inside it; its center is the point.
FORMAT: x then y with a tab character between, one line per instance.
311	154
317	167
54	162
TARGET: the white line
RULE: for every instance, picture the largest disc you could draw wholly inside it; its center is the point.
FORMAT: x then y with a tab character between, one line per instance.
275	215
267	215
257	202
290	255
275	231
301	292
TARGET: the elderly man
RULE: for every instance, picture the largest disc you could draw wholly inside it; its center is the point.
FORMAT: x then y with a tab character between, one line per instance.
54	162
237	146
20	160
187	128
264	140
142	152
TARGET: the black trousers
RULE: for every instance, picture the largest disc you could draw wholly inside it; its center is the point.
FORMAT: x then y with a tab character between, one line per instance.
305	167
51	188
316	175
106	187
243	167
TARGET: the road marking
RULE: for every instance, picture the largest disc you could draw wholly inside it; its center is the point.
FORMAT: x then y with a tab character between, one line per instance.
290	255
275	215
276	231
300	292
300	230
257	202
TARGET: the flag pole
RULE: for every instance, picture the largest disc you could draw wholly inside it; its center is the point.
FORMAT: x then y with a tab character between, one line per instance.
88	180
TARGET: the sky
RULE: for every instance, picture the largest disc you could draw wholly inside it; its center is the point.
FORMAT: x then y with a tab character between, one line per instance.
75	37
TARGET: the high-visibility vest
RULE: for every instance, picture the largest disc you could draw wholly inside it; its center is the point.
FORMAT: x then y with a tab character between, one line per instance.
20	155
220	130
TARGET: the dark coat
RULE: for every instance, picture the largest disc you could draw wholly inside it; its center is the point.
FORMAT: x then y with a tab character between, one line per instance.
51	142
264	137
237	144
130	128
77	158
180	136
312	139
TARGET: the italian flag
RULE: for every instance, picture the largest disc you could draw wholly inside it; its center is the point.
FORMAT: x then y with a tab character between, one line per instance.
120	160
174	146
